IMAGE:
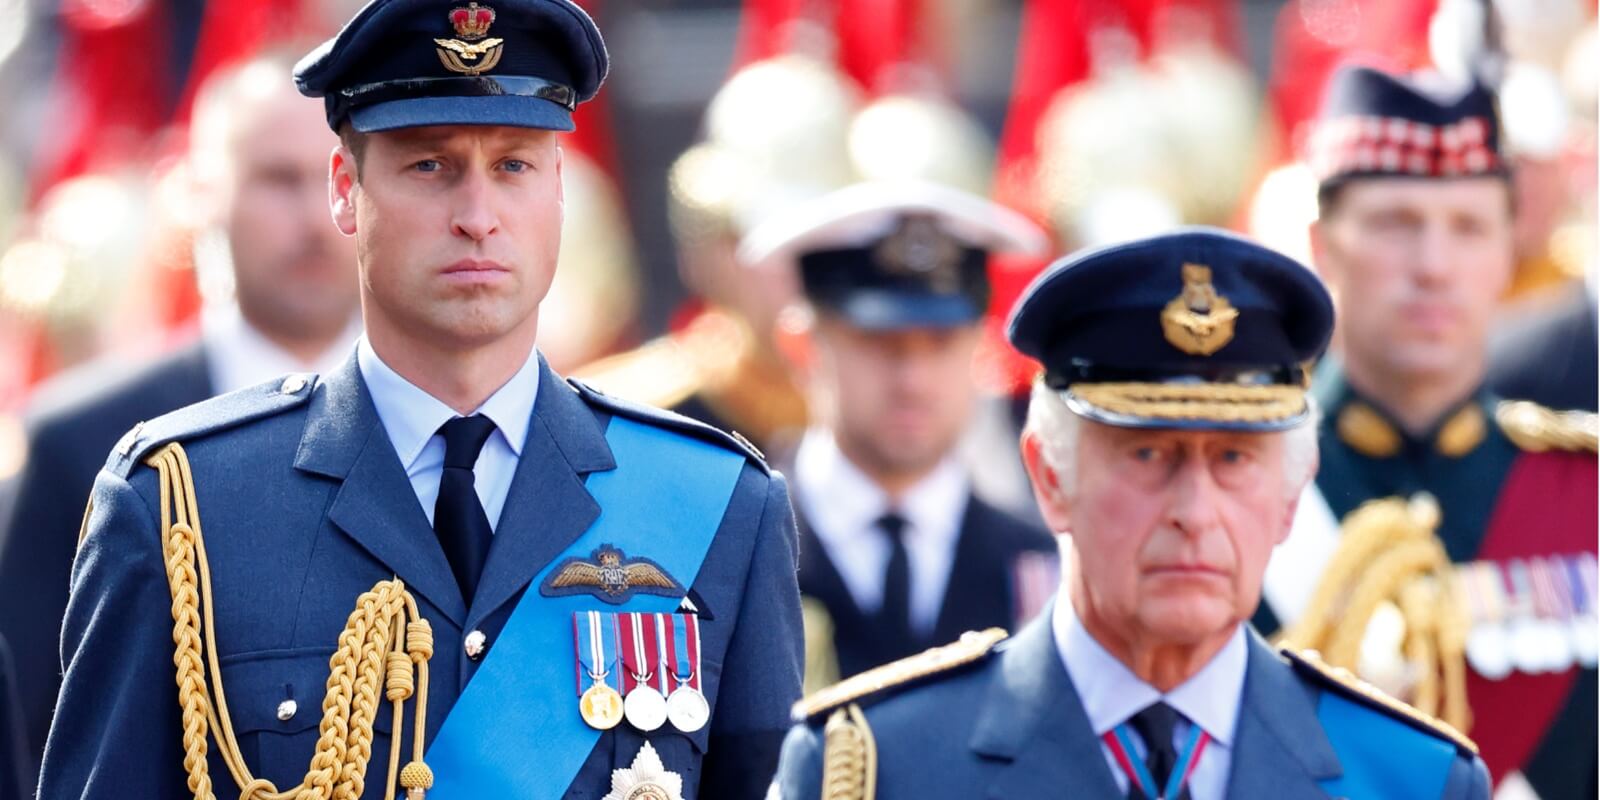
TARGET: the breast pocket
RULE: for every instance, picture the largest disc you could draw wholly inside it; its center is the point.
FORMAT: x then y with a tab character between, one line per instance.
275	702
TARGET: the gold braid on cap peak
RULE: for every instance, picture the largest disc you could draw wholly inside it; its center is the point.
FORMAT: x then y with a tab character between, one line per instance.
1222	402
384	649
1388	556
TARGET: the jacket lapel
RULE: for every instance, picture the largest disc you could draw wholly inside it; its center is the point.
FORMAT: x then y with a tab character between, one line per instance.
548	507
375	505
1032	719
1280	749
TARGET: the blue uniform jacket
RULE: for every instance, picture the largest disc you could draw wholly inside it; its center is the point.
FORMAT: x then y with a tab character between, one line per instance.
1011	725
304	506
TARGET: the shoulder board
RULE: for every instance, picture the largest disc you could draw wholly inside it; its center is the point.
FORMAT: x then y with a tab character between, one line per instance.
656	373
1341	680
972	647
663	418
209	416
1537	429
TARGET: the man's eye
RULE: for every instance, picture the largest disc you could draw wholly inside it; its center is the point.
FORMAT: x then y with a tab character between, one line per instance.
1233	457
517	165
427	165
1146	454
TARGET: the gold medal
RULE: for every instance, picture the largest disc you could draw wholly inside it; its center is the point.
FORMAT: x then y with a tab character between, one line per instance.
601	706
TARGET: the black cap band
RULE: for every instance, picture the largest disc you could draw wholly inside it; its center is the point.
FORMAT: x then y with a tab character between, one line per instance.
1083	371
342	102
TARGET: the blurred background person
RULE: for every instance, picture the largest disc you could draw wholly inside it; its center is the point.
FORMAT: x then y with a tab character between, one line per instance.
281	296
897	551
1416	239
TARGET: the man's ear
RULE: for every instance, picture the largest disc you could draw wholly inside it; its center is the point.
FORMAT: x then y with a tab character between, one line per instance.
1055	504
794	336
1294	503
342	186
1322	261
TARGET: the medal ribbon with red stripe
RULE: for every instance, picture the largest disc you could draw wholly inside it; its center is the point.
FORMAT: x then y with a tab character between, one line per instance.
1120	740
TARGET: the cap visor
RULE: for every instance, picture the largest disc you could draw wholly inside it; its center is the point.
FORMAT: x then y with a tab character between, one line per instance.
508	110
887	311
1190	406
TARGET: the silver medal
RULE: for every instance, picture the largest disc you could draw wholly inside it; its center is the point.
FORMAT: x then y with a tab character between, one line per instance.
645	708
1486	651
687	709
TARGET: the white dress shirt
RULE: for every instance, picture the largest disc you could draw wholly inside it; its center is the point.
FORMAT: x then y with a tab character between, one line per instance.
239	356
1111	694
843	506
412	419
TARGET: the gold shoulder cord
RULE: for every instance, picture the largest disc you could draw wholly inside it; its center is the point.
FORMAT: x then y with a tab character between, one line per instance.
1388	554
385	647
849	757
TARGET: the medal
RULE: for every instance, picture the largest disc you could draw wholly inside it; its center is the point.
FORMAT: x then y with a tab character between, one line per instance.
1558	615
599	704
1582	630
644	707
687	708
1520	628
1488	645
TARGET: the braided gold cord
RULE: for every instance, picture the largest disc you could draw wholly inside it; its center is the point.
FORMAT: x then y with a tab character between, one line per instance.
1212	401
384	647
1388	553
849	756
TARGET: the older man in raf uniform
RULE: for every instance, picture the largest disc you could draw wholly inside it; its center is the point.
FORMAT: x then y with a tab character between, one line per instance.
441	554
1169	436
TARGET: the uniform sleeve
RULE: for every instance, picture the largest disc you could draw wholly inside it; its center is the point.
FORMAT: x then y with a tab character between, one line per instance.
116	731
761	673
800	767
38	534
1468	780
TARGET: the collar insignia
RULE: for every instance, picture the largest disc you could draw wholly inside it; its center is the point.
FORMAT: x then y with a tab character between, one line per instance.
470	53
611	576
645	779
1198	321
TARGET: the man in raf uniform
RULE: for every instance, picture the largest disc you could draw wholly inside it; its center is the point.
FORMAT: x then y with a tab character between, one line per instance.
1169	437
259	156
440	555
1415	239
896	552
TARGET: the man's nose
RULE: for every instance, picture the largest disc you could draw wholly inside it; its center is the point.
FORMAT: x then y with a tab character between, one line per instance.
473	214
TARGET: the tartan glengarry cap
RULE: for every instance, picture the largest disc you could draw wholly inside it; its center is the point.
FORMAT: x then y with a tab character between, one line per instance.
1375	124
411	63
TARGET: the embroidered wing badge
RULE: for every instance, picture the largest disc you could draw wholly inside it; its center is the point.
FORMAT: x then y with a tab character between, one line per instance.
611	576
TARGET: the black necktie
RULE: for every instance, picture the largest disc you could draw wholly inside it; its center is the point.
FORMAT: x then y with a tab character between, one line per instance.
1155	725
458	517
894	616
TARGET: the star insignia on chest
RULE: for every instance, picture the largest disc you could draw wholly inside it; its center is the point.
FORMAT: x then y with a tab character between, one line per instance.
645	779
609	575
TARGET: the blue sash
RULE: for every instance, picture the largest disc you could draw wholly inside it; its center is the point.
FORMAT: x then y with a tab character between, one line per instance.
515	731
1381	757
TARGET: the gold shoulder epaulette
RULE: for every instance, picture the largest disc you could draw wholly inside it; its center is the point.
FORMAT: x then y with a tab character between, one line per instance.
656	373
1348	684
972	646
1537	429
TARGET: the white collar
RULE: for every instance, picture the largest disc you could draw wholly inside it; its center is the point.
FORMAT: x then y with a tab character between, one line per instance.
1111	693
841	501
238	355
411	416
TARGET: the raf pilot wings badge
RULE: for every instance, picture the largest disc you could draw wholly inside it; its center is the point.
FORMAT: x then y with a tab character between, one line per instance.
611	576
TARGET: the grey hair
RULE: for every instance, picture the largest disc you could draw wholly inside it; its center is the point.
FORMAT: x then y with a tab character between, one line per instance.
1057	429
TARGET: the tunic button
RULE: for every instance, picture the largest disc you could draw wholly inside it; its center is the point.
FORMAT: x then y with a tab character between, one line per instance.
287	709
293	384
475	644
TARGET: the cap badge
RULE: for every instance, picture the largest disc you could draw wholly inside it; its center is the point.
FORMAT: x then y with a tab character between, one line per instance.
471	54
919	248
1198	321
